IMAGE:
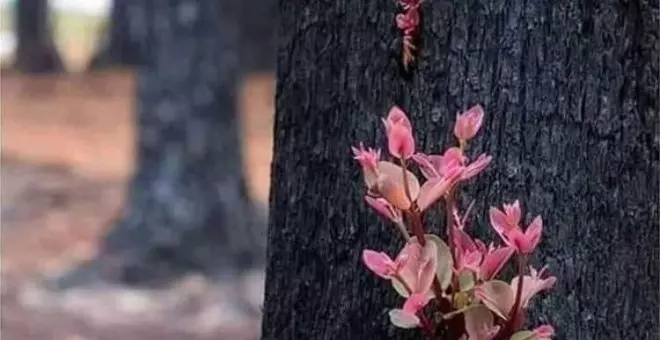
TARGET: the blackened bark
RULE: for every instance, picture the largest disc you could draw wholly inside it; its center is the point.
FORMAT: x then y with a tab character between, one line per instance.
571	96
123	41
36	51
188	210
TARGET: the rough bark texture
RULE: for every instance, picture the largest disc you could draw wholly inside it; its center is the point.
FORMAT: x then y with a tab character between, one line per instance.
571	98
188	209
35	52
123	41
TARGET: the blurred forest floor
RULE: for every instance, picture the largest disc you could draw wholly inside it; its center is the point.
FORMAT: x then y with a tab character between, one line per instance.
67	154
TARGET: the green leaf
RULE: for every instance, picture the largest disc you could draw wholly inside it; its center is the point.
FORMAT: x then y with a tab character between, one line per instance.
444	270
478	321
402	319
400	288
497	296
466	280
523	335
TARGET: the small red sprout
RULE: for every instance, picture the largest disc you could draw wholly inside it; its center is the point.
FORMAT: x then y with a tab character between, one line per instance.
408	23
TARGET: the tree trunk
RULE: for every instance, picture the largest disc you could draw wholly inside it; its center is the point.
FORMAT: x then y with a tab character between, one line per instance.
188	208
36	51
258	35
123	40
570	94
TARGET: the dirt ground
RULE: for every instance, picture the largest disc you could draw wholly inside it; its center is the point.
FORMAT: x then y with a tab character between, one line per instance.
67	153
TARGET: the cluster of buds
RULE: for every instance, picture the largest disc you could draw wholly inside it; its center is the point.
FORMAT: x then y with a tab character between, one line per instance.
460	273
408	22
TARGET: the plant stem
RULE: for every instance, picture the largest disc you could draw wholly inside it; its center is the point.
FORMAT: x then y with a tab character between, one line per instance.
403	230
467	212
418	231
426	325
458	311
417	228
521	275
449	209
508	330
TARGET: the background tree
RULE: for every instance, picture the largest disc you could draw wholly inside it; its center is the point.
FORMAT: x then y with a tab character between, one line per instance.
35	51
258	35
127	30
122	38
188	209
571	98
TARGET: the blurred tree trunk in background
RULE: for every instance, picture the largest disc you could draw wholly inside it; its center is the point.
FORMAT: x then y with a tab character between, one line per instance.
188	209
122	40
35	51
258	35
571	98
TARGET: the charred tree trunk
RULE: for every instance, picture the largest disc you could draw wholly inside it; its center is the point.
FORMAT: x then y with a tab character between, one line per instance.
36	51
123	38
188	208
571	96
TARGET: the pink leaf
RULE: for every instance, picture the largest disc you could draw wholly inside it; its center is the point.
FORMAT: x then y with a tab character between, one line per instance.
498	221
393	192
434	189
410	252
425	165
401	143
397	116
533	235
513	212
497	296
544	332
468	123
383	207
428	268
416	302
476	167
368	159
464	241
533	284
391	186
479	323
452	158
402	319
494	261
379	263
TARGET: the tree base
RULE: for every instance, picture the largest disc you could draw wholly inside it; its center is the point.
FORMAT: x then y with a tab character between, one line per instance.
192	304
38	59
106	59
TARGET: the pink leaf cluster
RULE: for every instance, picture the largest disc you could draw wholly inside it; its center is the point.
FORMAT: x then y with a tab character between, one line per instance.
462	272
408	23
507	224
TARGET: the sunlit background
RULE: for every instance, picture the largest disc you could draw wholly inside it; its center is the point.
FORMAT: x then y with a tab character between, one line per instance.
68	149
77	24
